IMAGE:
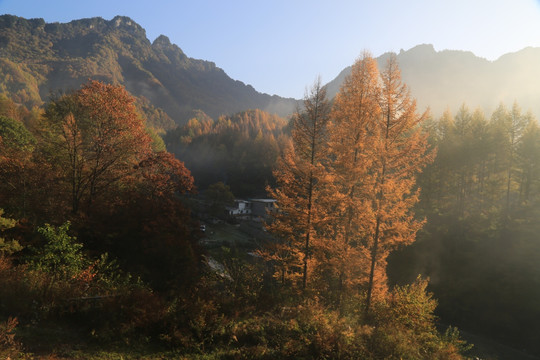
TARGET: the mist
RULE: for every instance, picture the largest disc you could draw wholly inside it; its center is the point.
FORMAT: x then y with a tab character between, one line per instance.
444	80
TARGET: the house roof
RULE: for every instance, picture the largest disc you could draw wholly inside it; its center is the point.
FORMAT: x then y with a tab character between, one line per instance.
263	200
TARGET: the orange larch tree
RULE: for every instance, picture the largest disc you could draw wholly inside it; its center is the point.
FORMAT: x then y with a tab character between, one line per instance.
401	152
377	148
349	176
298	176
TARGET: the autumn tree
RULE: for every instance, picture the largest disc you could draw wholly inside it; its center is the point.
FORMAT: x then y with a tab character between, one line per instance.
377	149
401	152
239	150
299	179
352	134
162	176
147	226
96	136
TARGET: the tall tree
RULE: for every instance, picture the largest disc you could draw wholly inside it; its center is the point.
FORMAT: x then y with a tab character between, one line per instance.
95	136
298	177
528	155
401	151
516	125
352	134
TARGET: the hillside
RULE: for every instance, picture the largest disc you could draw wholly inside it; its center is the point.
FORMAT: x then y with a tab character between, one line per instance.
449	78
37	58
239	150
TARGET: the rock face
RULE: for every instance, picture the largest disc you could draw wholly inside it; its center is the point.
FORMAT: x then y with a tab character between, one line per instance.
447	79
37	58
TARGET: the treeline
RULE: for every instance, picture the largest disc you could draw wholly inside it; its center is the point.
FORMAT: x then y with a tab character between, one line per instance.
480	244
239	150
484	166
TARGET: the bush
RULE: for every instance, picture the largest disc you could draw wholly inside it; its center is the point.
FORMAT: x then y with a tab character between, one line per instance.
9	347
405	327
61	256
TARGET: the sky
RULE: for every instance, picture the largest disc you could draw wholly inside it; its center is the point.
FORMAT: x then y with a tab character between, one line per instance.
281	46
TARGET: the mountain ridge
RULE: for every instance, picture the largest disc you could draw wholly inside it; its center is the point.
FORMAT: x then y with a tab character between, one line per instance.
38	57
447	79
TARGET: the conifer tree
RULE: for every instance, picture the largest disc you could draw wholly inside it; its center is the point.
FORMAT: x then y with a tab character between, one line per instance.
516	123
352	133
377	148
298	177
401	151
529	162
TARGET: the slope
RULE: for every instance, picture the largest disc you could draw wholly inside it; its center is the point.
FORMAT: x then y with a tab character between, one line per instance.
37	58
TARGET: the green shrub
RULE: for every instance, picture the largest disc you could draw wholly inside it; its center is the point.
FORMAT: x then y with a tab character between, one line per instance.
61	256
7	247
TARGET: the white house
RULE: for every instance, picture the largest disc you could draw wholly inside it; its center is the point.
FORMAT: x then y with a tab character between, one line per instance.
241	207
255	209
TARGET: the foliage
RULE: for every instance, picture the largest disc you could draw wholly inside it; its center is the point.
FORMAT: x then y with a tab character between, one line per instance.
61	256
162	176
407	327
95	136
311	330
157	143
7	247
238	150
346	186
15	136
300	180
219	196
16	147
9	347
400	154
480	196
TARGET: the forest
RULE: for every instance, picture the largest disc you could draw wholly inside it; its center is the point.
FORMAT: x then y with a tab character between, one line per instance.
392	228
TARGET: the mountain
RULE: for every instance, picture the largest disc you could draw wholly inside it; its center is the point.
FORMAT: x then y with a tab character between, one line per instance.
447	79
37	58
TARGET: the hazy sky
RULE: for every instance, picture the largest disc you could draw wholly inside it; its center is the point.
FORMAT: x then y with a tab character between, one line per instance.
280	46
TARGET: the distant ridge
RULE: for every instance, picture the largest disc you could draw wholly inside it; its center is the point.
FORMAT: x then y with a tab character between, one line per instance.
447	79
37	58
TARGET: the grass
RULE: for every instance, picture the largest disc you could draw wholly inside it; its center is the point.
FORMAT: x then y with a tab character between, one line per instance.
59	341
245	235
